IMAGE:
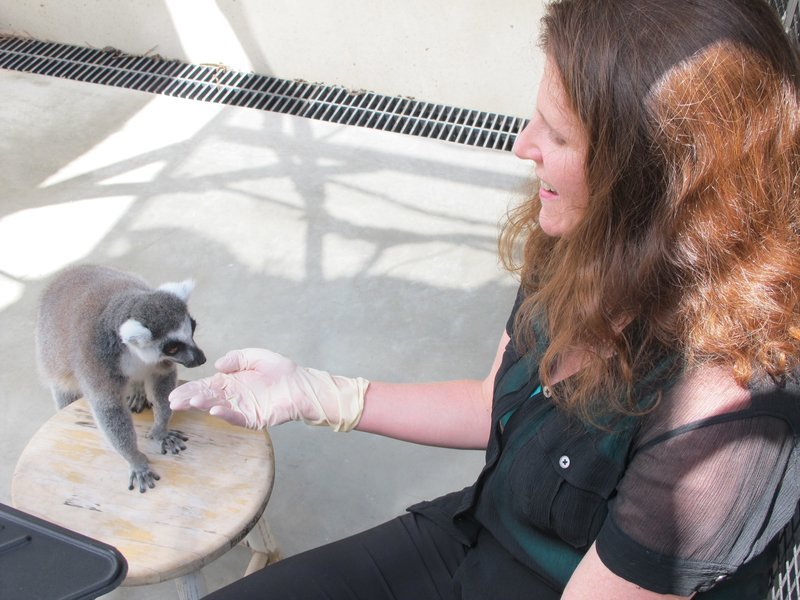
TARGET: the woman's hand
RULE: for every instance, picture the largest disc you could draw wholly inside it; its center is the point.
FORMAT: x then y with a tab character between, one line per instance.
257	388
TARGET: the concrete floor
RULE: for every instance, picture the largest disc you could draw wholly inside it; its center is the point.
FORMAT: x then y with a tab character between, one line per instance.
351	250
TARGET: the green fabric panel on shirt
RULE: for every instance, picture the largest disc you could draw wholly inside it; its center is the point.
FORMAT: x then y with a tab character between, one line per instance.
544	552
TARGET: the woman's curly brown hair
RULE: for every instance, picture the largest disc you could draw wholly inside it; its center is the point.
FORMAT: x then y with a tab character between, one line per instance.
691	238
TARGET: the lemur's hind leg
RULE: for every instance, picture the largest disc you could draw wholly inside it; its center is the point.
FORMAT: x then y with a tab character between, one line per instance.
137	397
63	397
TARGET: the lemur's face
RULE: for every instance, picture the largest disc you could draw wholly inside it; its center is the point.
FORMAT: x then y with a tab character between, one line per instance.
177	346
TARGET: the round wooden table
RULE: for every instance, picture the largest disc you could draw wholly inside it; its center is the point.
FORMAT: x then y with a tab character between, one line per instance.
210	497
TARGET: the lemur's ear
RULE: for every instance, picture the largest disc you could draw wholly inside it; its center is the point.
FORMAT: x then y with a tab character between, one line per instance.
181	289
135	334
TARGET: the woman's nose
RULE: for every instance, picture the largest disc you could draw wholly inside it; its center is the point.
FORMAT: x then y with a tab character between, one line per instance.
525	146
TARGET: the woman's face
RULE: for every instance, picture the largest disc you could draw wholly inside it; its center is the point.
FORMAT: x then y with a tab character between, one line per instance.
555	141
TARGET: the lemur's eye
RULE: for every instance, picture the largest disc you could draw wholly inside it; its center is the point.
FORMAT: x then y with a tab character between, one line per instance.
172	348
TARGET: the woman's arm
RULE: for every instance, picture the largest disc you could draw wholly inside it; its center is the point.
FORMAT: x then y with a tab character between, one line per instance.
258	388
455	414
592	579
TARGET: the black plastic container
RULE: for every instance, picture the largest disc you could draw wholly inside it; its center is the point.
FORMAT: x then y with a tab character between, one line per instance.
43	561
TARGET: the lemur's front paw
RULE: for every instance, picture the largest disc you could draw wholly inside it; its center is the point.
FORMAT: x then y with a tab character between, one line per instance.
143	477
137	398
173	442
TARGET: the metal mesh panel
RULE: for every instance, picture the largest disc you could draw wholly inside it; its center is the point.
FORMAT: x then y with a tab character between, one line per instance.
789	10
786	571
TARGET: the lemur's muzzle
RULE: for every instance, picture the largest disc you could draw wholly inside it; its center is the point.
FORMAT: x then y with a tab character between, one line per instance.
195	357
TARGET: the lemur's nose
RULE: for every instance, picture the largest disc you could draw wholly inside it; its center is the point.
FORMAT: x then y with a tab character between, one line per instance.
198	358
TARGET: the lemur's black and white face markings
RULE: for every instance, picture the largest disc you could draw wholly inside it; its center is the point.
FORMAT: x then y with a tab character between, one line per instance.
178	345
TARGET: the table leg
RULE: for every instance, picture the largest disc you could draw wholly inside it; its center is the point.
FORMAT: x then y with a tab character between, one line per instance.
265	549
191	586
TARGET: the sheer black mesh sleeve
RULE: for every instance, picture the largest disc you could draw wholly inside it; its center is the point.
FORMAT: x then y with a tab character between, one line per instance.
699	490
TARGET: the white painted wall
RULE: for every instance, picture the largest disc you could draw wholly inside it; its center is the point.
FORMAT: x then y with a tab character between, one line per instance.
478	54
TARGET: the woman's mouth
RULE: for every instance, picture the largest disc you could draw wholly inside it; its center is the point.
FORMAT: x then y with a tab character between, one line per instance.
546	191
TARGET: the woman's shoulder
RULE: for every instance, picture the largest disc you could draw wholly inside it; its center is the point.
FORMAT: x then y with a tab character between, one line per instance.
718	461
710	394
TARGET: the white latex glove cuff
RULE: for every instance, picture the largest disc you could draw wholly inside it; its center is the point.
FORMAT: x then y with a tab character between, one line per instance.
337	401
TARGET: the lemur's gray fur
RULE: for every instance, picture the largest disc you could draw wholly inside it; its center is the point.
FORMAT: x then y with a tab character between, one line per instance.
108	336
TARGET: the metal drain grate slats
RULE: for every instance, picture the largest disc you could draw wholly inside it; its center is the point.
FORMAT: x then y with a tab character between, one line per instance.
212	83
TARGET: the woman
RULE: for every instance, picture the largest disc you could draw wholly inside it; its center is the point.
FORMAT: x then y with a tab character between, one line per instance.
641	413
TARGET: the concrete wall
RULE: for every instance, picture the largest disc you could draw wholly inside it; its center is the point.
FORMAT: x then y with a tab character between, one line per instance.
478	54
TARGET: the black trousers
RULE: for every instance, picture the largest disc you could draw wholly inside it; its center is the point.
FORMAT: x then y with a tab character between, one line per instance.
407	558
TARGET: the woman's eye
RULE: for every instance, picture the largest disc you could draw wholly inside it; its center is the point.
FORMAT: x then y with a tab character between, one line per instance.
557	139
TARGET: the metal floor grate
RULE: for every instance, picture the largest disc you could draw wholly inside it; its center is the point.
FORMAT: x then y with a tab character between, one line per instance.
216	84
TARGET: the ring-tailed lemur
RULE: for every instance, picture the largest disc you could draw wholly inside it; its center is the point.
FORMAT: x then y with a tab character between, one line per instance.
102	334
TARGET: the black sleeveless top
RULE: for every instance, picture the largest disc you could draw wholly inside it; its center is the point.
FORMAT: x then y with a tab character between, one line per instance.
679	501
